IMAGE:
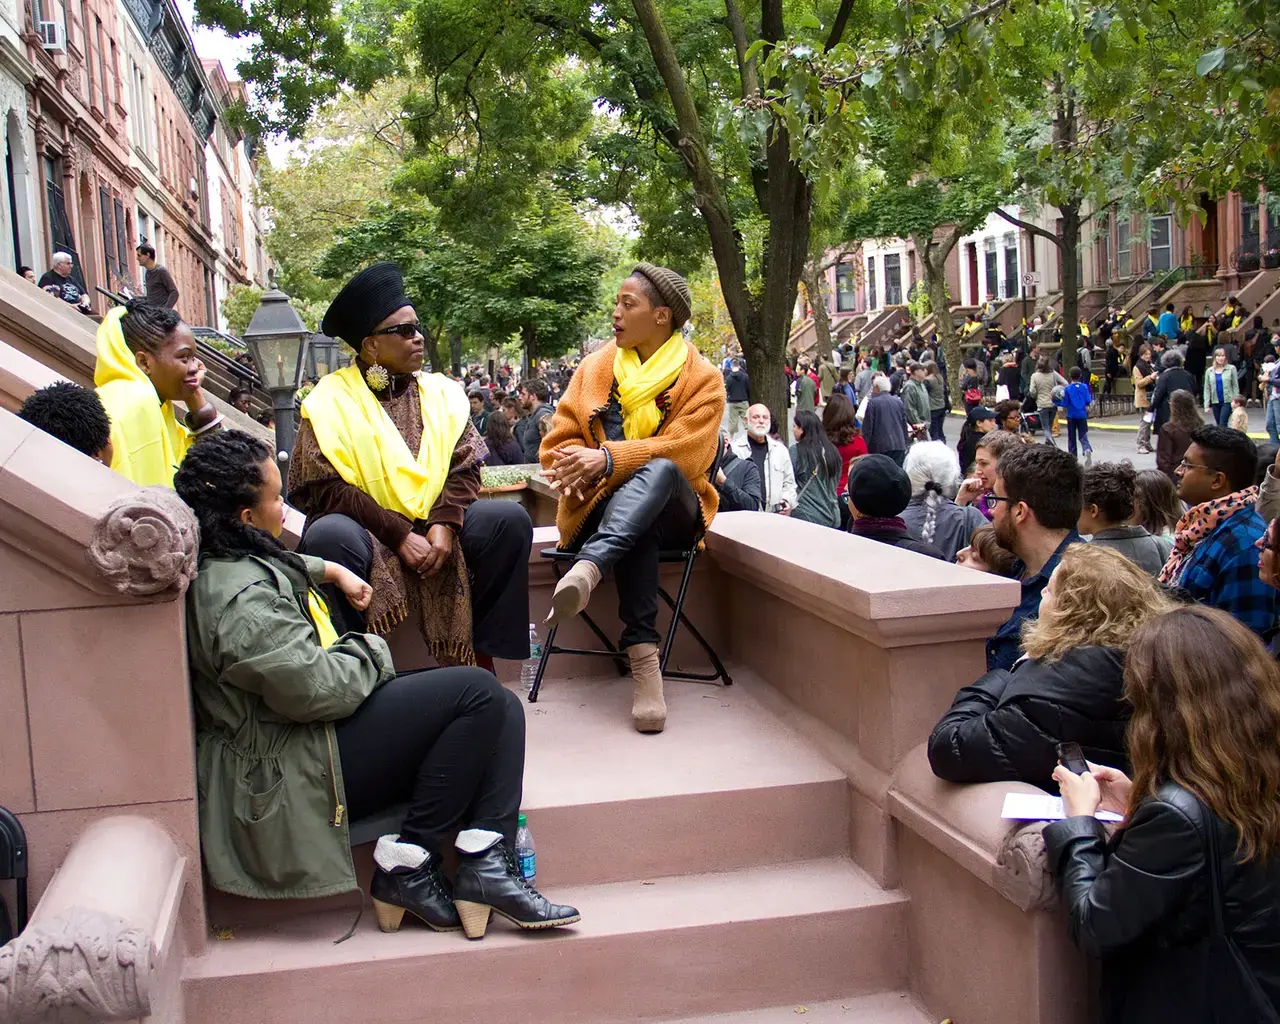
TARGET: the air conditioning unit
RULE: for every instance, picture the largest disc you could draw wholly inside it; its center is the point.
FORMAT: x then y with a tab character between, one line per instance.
236	254
195	189
52	36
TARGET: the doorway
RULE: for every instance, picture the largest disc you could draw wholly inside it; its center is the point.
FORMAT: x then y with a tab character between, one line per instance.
971	256
1209	233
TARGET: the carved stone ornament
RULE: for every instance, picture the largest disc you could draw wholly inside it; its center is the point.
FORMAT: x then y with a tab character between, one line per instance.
1022	869
82	966
146	543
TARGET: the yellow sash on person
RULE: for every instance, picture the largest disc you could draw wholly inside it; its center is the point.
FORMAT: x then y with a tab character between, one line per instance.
639	383
319	612
358	438
147	440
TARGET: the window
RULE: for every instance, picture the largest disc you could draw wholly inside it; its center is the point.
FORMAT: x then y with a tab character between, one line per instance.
846	289
108	237
102	65
1250	226
1161	242
892	279
873	294
122	238
60	237
13	204
1010	265
88	49
1123	266
992	267
144	226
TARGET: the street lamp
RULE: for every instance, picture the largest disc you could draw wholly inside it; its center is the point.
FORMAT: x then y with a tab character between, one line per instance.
322	355
277	340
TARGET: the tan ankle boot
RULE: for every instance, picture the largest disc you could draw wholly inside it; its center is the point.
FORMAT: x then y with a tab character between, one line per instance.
648	709
573	592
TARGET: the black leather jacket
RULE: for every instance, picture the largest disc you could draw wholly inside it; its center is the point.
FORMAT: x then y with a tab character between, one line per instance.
1006	726
1142	903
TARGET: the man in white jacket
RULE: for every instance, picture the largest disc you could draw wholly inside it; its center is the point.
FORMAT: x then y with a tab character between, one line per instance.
771	458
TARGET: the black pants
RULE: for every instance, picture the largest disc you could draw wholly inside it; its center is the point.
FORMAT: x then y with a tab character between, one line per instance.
449	741
655	510
495	538
937	418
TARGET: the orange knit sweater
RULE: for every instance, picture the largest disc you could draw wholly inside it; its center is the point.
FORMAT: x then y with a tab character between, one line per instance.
689	435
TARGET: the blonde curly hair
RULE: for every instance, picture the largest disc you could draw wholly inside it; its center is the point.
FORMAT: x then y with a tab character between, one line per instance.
1100	598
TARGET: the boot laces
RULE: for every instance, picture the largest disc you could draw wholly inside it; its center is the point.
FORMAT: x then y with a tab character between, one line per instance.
513	869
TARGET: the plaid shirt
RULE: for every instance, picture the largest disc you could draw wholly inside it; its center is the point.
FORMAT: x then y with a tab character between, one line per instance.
1222	572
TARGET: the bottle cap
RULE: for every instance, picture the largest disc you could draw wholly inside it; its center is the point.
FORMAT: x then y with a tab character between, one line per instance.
521	821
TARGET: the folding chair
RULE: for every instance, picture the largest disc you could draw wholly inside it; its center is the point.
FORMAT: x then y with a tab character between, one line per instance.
686	556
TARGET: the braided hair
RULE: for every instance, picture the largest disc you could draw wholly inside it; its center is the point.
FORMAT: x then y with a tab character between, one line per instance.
222	474
146	326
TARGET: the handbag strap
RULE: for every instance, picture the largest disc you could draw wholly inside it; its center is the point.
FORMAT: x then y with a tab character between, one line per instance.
812	477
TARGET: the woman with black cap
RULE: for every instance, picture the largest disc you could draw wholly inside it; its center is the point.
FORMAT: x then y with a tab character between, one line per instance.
387	469
630	451
878	492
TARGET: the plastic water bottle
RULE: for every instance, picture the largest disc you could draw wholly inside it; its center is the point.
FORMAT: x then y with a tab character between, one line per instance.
529	670
526	855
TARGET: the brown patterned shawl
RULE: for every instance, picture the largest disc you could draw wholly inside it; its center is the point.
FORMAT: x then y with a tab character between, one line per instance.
441	604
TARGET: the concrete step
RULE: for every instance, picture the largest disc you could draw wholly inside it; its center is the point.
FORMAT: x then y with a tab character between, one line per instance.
644	950
726	786
879	1008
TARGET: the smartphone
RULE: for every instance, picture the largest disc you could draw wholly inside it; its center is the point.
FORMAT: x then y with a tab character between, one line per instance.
1072	758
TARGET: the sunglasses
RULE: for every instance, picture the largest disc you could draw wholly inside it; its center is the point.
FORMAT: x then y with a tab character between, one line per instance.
406	331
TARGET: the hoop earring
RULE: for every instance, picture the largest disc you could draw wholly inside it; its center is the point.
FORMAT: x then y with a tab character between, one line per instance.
377	378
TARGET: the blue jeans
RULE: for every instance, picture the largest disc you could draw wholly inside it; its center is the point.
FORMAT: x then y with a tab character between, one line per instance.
1273	420
1221	413
1078	429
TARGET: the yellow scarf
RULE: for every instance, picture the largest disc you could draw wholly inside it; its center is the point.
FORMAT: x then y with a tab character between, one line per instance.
358	438
639	383
319	612
147	439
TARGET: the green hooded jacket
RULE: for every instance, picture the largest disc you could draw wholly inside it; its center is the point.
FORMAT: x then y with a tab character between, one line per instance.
266	694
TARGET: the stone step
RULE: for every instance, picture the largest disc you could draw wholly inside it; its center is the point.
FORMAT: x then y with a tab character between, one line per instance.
726	786
645	950
878	1008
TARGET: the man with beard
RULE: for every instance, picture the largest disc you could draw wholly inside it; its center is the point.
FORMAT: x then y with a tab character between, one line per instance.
1036	502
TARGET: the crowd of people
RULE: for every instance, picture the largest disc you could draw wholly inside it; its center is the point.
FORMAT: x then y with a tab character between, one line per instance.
1146	644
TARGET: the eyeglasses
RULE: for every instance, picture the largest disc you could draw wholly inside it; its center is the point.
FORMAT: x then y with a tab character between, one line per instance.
1185	465
997	497
406	331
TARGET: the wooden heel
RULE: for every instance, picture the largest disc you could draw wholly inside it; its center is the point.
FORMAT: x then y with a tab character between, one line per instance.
389	916
475	918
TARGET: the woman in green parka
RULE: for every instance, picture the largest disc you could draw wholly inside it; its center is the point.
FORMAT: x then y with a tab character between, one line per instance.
300	730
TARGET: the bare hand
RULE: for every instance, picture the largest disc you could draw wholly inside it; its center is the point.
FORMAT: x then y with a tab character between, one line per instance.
576	469
440	539
1080	793
1114	788
720	478
357	592
970	490
414	551
195	398
784	510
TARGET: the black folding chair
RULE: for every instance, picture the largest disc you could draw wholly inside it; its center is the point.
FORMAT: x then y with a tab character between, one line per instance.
561	560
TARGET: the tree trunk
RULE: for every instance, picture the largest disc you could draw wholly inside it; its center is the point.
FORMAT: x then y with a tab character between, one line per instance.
1070	289
431	342
529	336
933	265
813	282
455	352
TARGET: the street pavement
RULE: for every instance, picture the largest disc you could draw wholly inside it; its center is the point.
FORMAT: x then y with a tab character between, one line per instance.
1114	438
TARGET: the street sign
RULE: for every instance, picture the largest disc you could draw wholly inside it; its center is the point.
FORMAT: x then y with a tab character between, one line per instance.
1031	277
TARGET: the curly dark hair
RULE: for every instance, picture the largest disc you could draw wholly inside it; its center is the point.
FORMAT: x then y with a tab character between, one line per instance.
497	430
1047	479
146	327
72	414
222	474
1112	486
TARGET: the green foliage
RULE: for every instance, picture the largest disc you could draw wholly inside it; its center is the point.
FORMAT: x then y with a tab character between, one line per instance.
239	306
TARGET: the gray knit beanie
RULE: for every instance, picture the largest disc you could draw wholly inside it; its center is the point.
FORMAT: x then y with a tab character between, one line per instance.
671	286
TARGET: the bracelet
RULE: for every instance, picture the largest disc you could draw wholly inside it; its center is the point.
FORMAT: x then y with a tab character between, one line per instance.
608	464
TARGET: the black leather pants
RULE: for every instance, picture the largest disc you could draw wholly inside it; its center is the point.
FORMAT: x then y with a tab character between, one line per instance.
655	510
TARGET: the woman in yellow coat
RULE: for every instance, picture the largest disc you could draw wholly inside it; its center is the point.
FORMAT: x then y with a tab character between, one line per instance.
147	360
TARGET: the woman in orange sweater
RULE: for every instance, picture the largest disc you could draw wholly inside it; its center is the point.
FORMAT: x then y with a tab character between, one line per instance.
629	451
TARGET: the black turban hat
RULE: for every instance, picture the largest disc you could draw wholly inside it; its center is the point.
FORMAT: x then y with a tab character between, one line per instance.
879	487
366	300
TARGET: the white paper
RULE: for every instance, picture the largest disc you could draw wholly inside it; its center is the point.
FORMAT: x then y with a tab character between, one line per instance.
1041	807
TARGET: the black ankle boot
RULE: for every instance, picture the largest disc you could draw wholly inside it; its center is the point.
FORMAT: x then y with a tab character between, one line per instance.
422	891
491	880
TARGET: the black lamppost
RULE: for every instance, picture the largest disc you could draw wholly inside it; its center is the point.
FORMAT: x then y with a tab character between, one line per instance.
323	353
277	340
